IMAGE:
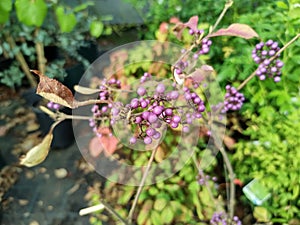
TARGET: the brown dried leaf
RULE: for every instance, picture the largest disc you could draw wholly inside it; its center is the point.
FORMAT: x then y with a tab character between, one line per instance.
38	153
236	29
54	91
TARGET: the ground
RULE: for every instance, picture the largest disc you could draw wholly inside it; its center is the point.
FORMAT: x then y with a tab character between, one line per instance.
49	194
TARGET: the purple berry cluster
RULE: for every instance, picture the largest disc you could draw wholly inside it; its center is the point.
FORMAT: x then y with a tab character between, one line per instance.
102	111
233	99
262	55
221	218
107	85
154	106
204	48
52	105
202	180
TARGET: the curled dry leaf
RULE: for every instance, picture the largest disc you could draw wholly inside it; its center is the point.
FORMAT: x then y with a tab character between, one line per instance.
236	29
85	90
54	91
38	153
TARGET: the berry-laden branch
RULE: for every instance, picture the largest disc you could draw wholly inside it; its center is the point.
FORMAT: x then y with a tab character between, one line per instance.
262	69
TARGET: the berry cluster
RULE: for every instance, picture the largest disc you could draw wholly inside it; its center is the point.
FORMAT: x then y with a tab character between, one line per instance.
262	54
102	111
233	99
52	105
154	106
221	218
204	48
202	180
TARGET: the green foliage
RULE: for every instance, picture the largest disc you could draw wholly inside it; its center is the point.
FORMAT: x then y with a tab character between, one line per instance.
273	156
50	24
31	13
12	76
66	21
5	8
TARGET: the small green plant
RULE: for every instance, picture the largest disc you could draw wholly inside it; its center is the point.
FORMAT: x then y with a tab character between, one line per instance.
29	27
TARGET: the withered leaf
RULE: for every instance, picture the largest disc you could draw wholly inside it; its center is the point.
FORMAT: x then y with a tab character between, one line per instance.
54	91
38	153
236	29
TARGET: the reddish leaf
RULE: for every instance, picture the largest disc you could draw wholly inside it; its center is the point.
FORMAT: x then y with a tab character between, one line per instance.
106	143
174	20
201	73
54	91
192	23
95	147
179	27
236	29
163	27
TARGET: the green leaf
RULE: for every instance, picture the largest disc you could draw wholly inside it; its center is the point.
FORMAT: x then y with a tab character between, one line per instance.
4	15
83	6
261	214
96	28
66	21
31	13
160	203
168	215
282	5
145	212
5	5
155	218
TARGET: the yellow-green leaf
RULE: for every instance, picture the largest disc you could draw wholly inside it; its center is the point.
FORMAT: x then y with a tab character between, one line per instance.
96	28
38	153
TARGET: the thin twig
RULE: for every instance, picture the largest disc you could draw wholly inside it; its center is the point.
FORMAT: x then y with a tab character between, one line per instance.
142	183
271	59
39	46
20	58
77	104
228	4
205	181
231	182
100	206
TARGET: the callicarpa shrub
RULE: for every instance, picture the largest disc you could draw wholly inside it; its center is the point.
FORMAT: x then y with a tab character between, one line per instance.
146	111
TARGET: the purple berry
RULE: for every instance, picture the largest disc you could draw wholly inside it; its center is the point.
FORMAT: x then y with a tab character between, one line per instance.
157	135
132	140
138	119
134	103
147	140
176	119
160	88
152	118
145	115
158	110
150	131
141	91
185	129
174	124
168	112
